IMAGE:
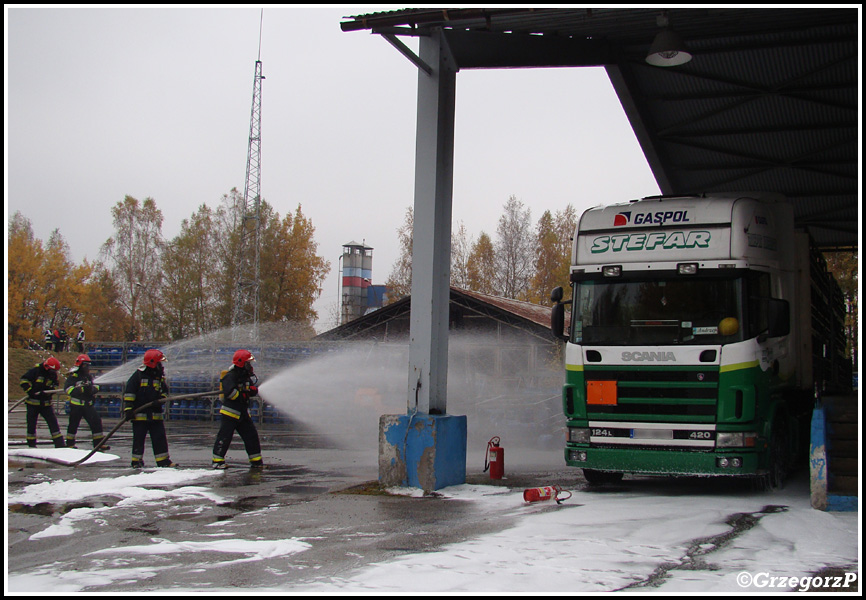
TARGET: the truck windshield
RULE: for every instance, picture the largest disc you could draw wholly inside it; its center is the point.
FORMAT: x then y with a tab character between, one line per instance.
672	310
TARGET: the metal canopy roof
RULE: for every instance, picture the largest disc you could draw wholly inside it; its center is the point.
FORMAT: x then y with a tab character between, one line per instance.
769	101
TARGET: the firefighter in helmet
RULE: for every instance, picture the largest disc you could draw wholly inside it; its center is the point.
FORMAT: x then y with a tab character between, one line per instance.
238	385
38	380
141	404
81	390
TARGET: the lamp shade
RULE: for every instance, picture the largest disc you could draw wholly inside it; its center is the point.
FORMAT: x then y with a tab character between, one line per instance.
668	50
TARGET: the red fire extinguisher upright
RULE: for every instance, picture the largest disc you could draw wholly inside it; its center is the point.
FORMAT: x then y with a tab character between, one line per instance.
495	458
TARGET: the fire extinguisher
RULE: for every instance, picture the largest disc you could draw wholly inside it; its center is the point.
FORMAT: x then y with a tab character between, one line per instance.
494	458
540	494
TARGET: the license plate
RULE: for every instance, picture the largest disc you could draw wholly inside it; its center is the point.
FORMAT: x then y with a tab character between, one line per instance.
652	434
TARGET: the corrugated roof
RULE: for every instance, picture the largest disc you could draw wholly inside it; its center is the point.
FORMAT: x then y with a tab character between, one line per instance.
533	318
770	100
526	310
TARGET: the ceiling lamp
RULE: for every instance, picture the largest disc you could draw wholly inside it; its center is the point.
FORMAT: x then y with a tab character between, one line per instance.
668	49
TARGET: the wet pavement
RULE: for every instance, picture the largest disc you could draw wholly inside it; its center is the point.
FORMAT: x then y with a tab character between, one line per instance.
309	490
311	493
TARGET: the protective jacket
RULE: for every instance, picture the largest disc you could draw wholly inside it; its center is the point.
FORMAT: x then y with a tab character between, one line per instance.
35	382
80	388
146	385
238	386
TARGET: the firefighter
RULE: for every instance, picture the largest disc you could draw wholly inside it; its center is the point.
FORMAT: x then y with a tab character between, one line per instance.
36	382
144	389
81	390
238	385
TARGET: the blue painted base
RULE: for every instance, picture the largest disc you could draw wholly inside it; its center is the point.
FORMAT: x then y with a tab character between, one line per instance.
821	498
842	503
423	451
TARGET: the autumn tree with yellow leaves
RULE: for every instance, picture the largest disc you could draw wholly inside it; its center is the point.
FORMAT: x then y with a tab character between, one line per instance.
147	287
47	290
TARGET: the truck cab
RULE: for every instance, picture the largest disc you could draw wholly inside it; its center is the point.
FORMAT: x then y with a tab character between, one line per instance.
689	344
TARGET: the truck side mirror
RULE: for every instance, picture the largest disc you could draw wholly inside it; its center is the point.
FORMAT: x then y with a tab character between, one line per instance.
778	318
557	314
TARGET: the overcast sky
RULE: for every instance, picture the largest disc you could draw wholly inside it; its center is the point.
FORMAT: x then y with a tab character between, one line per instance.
102	103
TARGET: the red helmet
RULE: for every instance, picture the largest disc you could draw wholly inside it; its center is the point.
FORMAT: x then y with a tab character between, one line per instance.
52	364
242	357
153	358
81	359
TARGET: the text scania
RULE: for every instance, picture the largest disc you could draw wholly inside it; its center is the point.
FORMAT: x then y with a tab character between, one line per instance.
650	356
650	241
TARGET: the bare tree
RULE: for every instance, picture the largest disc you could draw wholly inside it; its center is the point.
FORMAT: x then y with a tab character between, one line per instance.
460	248
514	250
399	282
134	253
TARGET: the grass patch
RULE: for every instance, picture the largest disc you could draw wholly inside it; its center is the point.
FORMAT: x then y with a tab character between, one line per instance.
369	488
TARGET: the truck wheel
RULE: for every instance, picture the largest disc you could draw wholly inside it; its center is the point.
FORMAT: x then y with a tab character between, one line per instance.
594	477
777	469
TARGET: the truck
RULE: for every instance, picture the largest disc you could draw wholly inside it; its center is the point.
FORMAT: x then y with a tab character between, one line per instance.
703	329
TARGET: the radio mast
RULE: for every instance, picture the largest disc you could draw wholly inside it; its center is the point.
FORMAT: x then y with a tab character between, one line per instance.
246	308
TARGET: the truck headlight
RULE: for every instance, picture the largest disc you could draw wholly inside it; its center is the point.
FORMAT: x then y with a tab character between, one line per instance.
729	462
578	435
736	439
577	455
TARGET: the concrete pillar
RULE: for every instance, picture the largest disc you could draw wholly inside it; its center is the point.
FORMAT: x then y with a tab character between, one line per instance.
431	441
431	242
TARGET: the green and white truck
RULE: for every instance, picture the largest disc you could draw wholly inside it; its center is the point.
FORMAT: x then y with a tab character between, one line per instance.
702	330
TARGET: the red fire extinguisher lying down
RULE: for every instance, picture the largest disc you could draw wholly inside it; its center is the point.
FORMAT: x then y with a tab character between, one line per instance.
494	458
547	492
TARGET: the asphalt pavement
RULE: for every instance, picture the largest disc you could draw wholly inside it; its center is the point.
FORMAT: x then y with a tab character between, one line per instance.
310	489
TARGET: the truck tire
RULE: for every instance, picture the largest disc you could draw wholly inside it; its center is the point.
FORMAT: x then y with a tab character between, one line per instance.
594	477
777	469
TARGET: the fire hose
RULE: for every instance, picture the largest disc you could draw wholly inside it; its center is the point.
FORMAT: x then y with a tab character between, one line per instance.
128	417
14	406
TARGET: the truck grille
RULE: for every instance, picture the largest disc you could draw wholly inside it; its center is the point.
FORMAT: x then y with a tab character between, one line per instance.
686	394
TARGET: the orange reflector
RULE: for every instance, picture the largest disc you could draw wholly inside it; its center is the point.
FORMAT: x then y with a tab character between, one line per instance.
601	392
